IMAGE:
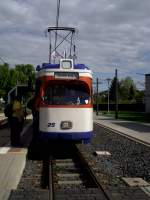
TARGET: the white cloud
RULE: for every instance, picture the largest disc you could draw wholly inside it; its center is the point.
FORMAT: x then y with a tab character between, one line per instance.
111	33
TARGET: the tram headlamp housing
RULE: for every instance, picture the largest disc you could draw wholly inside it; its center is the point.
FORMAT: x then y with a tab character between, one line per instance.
66	125
66	64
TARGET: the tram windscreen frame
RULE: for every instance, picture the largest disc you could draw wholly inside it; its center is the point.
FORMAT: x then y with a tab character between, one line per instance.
74	93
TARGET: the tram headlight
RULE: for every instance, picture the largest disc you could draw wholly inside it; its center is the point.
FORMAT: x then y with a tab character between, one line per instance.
66	63
66	125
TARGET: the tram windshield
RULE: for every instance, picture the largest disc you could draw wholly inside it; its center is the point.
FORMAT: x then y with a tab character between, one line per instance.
67	94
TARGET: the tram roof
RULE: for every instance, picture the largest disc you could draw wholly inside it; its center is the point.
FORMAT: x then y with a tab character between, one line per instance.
57	66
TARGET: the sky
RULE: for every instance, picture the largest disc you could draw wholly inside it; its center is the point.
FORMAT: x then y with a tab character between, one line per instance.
111	34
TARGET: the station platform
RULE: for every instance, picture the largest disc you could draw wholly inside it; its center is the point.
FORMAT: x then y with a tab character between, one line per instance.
138	130
12	160
12	163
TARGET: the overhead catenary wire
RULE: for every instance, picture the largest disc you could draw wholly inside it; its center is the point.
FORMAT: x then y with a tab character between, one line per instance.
2	60
67	37
61	42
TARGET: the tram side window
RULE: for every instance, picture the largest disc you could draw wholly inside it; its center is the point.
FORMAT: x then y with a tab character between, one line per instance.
66	95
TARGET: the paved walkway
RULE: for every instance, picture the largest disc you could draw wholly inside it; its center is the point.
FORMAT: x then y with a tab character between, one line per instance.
12	163
138	130
12	160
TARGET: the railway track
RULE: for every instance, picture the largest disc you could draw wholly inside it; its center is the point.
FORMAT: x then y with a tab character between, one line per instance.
72	178
79	174
65	177
68	173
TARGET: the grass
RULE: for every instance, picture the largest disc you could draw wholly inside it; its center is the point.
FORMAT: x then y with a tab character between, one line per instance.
131	116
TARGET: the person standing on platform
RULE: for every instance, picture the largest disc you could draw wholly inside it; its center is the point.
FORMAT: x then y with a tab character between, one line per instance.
33	104
16	124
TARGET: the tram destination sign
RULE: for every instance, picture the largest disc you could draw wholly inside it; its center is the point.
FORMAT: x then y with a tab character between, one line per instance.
66	75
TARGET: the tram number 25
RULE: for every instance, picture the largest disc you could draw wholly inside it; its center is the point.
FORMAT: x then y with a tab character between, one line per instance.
51	124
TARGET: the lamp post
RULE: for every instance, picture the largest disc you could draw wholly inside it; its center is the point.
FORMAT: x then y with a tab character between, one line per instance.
97	107
116	94
108	81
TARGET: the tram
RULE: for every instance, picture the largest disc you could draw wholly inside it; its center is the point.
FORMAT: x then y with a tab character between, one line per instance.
65	93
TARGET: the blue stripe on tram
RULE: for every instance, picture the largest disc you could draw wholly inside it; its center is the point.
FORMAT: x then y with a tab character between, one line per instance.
67	136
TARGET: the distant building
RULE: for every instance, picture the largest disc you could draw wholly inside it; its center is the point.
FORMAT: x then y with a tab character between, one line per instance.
147	93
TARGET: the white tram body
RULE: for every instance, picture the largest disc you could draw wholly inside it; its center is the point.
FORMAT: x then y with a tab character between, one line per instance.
65	108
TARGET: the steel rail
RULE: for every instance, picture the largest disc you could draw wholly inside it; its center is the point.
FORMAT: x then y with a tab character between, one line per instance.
92	174
51	186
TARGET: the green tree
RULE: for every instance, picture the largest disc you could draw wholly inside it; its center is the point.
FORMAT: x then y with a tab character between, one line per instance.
13	76
132	93
127	89
139	97
112	90
4	78
24	73
10	77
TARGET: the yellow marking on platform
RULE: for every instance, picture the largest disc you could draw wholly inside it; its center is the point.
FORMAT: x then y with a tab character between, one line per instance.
17	150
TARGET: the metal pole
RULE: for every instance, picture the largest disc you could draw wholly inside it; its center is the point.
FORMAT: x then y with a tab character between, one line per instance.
108	79
108	97
97	96
116	94
50	48
51	186
16	91
57	20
